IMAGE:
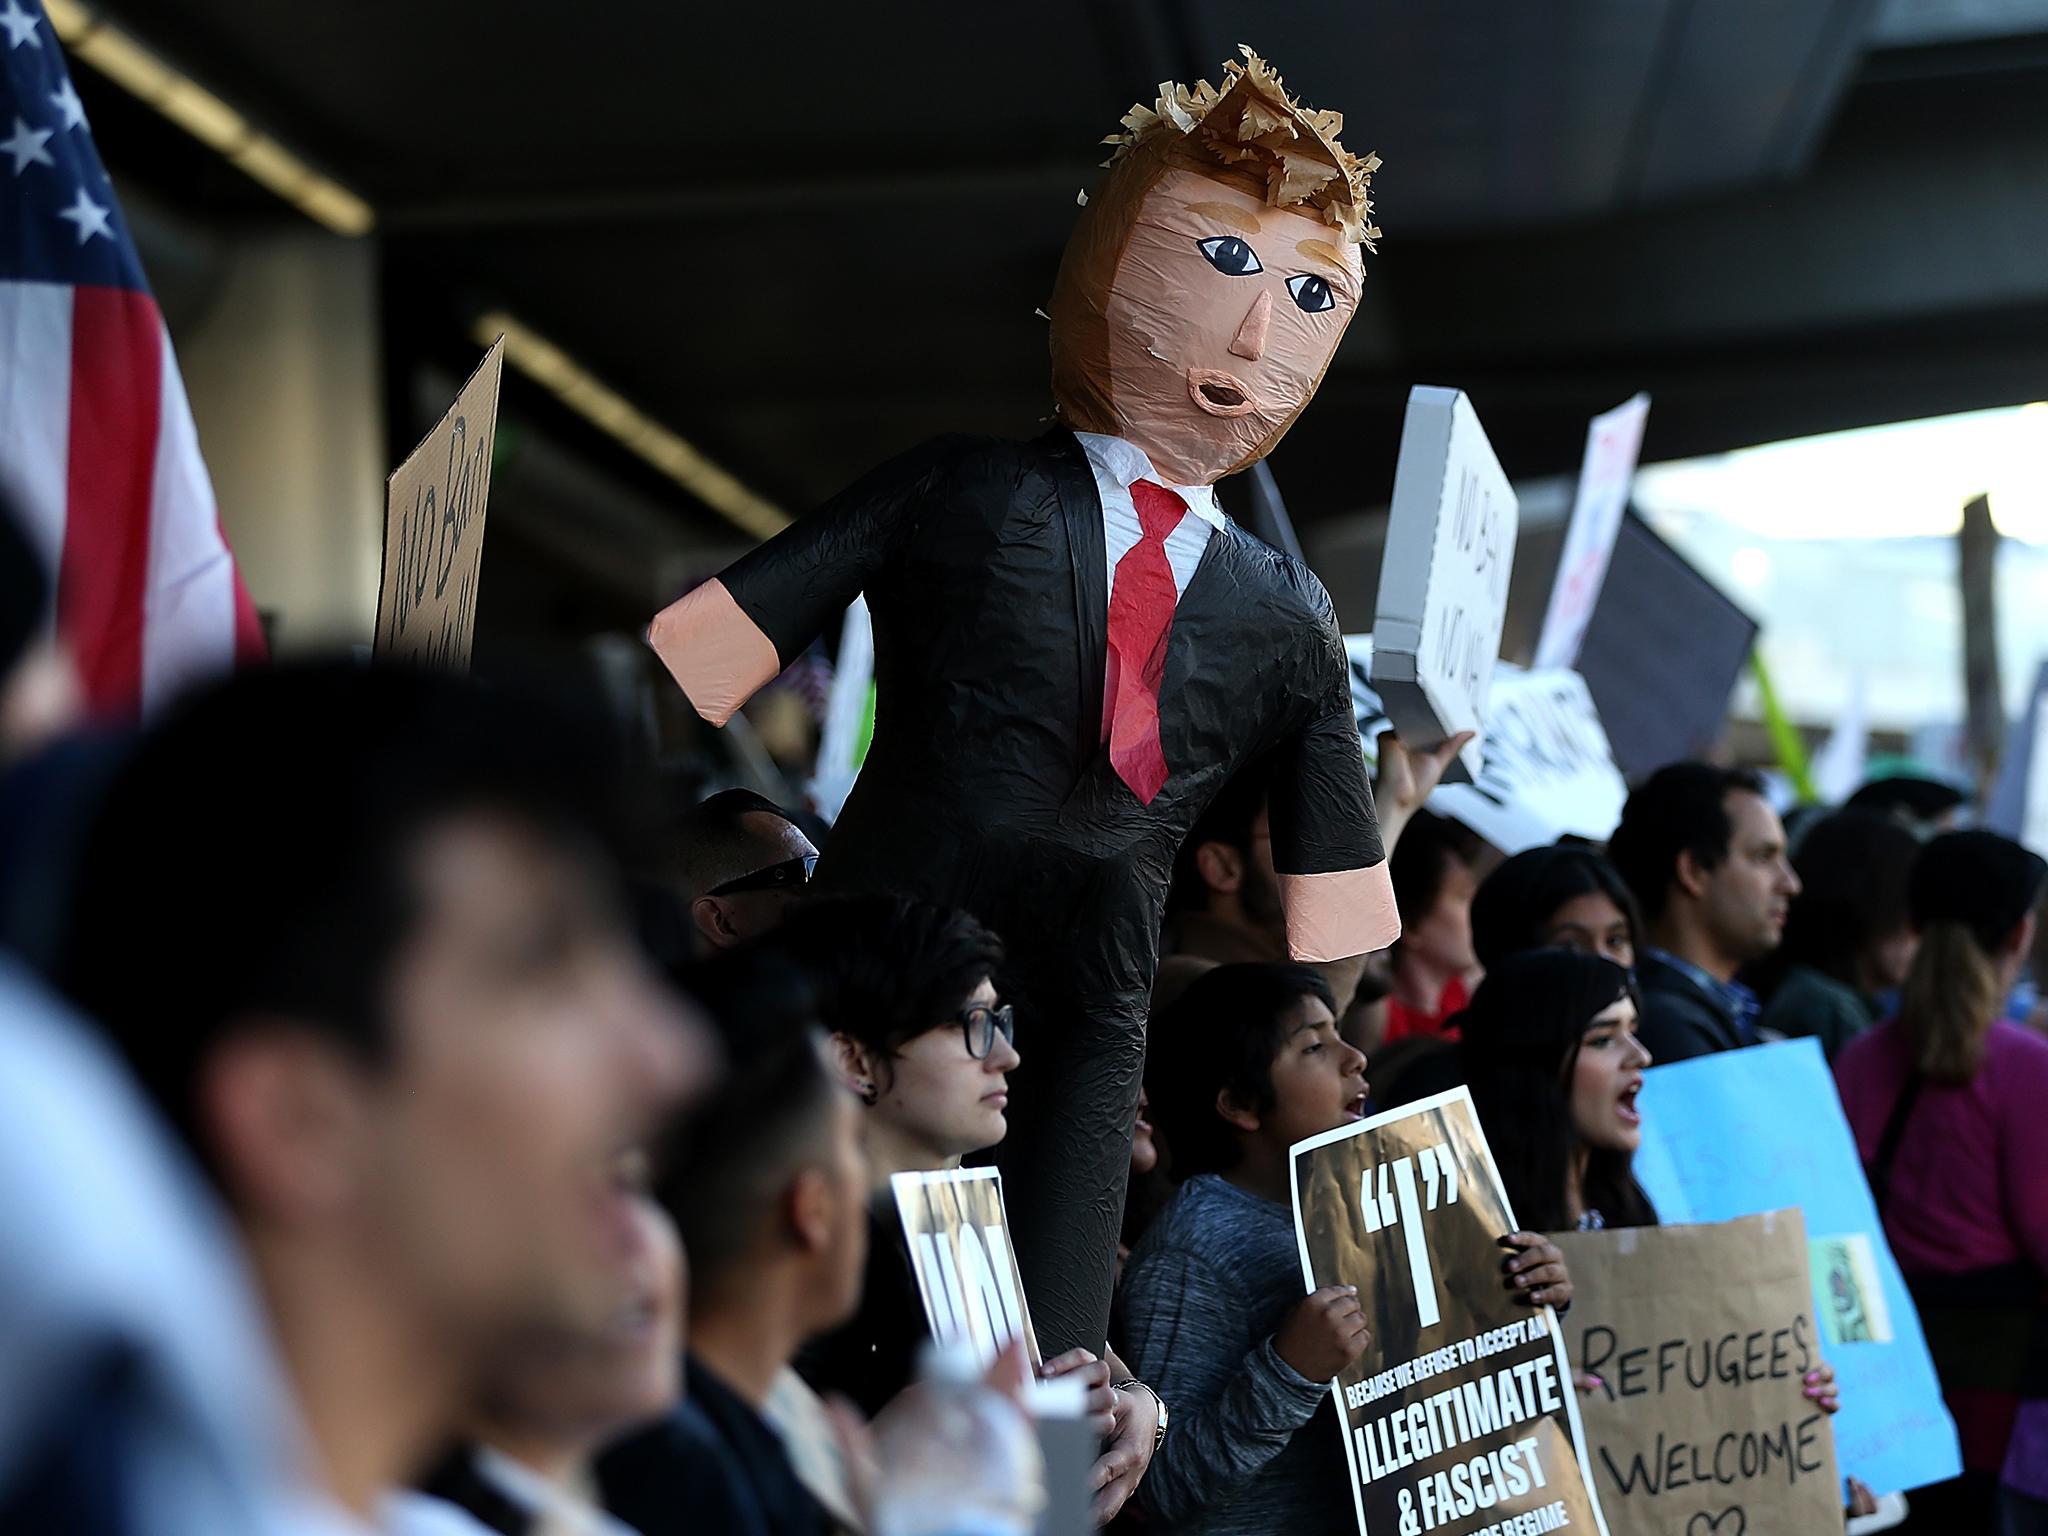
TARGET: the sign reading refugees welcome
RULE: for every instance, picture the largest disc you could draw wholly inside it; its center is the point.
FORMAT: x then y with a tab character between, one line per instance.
1701	1338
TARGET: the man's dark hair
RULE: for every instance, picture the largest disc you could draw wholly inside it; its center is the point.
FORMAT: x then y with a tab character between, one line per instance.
1513	908
771	1114
1421	863
252	857
1222	1033
1227	820
889	968
710	842
1681	808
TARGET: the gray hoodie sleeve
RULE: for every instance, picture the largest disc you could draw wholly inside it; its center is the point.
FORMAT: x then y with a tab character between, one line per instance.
1235	1403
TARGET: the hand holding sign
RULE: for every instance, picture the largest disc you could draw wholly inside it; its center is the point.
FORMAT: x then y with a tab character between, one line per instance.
1325	1334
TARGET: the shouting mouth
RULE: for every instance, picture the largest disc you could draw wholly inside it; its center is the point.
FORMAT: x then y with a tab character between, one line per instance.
1625	1106
1219	393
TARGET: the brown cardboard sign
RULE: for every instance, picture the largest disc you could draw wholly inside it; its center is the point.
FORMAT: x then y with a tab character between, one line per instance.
434	530
1702	1337
1460	1419
966	1265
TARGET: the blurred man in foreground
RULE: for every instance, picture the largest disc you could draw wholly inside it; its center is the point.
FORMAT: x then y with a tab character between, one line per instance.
769	1186
359	936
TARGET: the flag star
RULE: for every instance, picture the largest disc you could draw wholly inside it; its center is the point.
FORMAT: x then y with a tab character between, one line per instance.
20	25
68	103
89	216
27	146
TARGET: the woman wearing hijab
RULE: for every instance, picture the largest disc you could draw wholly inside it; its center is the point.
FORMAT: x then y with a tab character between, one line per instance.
1947	1102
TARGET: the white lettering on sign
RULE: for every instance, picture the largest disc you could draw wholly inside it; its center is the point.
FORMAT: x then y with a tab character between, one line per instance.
1394	1205
1549	772
976	1298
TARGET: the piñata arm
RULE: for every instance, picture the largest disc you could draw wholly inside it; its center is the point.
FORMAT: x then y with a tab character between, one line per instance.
1335	889
723	640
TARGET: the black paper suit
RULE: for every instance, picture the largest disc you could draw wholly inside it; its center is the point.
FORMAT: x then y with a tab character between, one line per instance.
987	785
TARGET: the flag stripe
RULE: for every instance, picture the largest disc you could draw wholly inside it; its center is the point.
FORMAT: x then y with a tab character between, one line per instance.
35	409
189	618
116	364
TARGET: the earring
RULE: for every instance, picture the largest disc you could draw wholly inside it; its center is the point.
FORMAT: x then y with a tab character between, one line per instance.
869	1094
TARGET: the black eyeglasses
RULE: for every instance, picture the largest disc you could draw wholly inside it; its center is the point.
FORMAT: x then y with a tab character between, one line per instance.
980	1026
787	875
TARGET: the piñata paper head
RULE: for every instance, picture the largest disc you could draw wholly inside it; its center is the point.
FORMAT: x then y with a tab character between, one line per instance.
1212	274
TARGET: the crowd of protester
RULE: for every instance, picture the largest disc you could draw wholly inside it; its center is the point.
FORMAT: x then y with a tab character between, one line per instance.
411	1122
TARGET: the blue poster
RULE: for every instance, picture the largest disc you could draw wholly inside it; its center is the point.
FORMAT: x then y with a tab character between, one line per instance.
1745	1132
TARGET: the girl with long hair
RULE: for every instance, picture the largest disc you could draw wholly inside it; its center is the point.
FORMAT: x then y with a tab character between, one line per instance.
1551	1056
1550	1053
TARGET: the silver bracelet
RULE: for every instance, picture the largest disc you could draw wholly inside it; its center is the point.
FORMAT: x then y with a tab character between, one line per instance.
1159	1433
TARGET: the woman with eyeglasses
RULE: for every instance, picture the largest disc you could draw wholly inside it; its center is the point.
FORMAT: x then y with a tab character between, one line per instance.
907	991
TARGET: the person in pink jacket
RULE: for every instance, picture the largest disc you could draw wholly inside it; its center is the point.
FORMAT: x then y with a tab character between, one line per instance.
1949	1103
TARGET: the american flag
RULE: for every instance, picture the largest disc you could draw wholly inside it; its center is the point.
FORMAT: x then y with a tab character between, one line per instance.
98	453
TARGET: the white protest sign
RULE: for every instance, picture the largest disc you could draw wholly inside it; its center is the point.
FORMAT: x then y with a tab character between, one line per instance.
1549	772
434	530
1444	576
958	1230
1613	442
849	714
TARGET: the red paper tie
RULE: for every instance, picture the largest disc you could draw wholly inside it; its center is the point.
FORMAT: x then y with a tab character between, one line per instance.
1141	602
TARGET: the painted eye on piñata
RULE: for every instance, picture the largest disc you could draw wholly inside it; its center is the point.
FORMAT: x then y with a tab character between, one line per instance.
1311	293
1229	255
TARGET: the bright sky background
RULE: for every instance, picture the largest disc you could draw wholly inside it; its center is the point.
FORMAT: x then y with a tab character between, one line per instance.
1843	546
1901	481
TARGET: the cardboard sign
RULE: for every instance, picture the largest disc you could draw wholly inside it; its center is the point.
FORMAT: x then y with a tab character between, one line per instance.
1444	576
966	1265
1460	1418
1549	772
1702	1337
1748	1131
434	530
1613	442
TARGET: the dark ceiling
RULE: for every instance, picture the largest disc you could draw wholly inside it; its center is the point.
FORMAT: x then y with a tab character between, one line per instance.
806	235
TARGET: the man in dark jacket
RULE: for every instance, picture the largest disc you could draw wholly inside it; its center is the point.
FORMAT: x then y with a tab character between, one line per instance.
1705	855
